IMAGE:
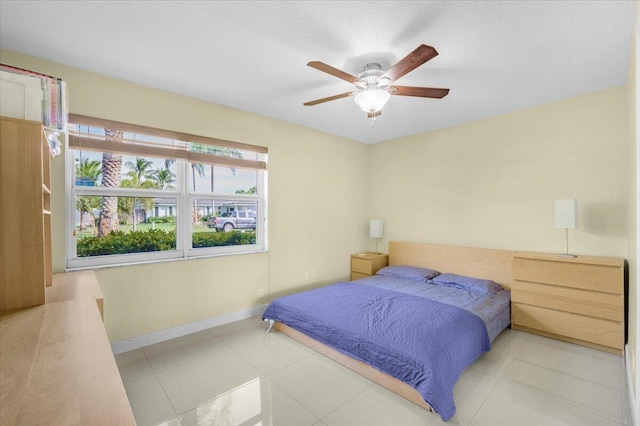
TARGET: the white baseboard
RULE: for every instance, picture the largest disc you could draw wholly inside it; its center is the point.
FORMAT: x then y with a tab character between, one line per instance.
632	396
182	330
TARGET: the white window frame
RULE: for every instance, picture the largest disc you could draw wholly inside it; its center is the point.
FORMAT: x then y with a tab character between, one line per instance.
184	200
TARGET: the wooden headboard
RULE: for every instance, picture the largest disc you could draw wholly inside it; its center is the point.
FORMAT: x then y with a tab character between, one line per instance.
482	263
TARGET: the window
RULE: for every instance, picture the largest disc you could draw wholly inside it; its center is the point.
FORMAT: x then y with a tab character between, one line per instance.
139	194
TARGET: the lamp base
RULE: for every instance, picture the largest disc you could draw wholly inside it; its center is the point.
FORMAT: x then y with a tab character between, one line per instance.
567	255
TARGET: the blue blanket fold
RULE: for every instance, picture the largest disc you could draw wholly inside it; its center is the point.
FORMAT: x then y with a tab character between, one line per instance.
424	343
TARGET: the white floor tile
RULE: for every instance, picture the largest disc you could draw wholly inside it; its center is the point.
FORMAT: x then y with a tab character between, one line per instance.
149	402
575	349
133	365
236	374
240	332
377	406
258	402
171	422
470	392
590	364
320	384
514	404
183	349
272	351
193	383
570	389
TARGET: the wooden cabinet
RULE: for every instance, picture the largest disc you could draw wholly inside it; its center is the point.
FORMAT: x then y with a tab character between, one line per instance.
367	264
25	222
579	300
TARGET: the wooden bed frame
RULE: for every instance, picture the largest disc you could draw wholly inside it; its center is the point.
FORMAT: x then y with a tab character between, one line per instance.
476	262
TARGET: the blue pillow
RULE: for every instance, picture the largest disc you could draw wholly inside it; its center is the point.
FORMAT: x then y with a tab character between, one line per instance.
475	285
408	272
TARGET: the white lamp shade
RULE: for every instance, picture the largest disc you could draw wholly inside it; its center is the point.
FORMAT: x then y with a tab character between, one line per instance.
372	100
567	213
375	228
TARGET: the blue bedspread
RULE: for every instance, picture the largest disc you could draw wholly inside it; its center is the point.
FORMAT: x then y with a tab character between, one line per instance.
424	343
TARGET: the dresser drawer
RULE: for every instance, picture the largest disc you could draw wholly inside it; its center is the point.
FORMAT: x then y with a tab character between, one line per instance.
368	263
604	278
362	266
357	276
595	304
599	331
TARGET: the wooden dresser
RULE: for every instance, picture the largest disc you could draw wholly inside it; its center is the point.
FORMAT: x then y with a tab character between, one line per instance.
578	300
366	264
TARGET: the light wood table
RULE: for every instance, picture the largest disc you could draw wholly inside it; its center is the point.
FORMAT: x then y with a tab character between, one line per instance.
75	285
57	367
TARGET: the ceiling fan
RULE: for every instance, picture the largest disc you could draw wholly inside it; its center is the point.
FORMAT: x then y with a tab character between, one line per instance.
374	85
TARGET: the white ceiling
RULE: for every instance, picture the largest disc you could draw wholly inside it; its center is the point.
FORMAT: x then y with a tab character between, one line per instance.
495	56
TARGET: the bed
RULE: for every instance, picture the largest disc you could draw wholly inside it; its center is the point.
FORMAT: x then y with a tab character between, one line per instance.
415	326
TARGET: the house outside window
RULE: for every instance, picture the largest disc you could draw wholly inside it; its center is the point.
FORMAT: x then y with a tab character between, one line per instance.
136	194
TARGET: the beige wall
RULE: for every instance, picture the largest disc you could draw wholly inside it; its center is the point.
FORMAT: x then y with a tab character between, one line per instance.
492	183
632	85
317	207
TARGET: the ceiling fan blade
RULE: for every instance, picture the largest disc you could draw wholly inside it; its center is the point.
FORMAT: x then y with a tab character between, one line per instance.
330	98
333	71
413	60
423	92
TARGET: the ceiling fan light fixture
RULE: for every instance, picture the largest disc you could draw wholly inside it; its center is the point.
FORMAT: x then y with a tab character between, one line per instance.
372	100
384	83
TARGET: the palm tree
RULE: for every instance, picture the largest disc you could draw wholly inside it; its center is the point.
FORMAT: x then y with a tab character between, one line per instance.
196	167
137	177
111	167
209	149
87	169
252	190
215	150
139	169
164	178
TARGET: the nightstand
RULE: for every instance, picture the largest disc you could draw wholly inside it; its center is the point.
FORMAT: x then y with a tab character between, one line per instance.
367	264
578	300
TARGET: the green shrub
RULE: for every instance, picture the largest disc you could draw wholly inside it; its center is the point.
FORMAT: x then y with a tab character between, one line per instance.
216	239
118	242
161	219
206	217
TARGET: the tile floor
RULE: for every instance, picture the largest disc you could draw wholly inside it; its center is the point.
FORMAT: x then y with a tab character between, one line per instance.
238	375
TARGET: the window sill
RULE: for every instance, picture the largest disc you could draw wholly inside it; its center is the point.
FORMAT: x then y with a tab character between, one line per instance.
168	260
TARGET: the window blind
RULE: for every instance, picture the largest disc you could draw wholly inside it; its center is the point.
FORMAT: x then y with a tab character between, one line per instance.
194	148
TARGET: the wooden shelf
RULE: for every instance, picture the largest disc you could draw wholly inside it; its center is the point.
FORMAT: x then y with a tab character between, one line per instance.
24	175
